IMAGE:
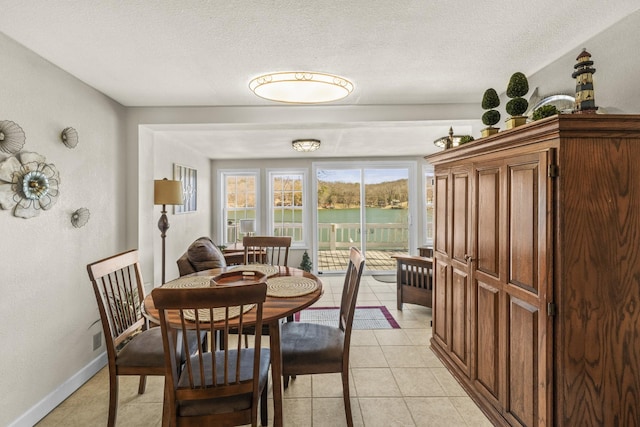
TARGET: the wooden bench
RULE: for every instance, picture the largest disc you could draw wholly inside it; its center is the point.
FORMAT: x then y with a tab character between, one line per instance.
414	280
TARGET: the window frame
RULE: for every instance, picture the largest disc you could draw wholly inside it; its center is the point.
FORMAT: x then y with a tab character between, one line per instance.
427	173
222	177
271	173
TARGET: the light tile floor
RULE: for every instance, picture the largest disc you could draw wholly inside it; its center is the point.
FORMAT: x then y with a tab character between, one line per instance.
396	380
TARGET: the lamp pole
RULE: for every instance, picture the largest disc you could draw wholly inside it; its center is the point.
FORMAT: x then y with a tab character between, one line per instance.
163	225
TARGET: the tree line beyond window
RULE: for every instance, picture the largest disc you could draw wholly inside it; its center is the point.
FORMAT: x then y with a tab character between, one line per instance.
347	195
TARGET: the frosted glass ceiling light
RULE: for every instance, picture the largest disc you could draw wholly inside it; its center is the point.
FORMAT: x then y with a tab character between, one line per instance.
301	87
306	145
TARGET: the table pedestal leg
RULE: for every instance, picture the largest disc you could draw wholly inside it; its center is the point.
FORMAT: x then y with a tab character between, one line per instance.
276	371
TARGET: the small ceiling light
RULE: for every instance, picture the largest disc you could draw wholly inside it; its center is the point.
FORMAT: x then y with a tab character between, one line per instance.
306	145
301	87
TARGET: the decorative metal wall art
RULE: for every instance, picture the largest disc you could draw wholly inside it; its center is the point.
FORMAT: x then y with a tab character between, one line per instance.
189	179
11	137
69	137
28	184
80	217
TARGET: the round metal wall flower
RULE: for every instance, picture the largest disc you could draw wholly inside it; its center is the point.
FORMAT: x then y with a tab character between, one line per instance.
28	184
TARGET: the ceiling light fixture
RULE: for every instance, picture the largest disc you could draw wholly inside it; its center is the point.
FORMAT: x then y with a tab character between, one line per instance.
301	87
306	145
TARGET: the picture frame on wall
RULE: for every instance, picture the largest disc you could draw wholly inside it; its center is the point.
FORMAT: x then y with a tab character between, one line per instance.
189	179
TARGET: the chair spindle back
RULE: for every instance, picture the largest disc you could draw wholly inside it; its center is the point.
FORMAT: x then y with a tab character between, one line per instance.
118	286
266	250
212	374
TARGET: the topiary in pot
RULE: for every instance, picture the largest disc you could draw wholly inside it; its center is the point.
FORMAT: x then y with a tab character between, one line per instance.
544	111
518	87
491	117
517	106
490	100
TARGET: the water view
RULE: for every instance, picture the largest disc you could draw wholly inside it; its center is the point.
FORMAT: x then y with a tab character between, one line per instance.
372	215
362	207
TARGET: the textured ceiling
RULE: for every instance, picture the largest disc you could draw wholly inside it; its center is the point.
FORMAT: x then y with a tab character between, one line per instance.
203	53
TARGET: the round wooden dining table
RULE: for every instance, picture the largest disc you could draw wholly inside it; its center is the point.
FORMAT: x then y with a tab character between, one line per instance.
273	310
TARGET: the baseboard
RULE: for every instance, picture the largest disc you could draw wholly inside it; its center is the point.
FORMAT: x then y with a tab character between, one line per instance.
57	396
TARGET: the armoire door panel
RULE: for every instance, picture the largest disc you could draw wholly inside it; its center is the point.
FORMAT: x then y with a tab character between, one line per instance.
441	219
440	309
488	220
522	359
460	220
524	196
459	319
487	332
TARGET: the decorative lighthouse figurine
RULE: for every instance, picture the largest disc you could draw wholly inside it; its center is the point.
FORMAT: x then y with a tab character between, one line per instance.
585	101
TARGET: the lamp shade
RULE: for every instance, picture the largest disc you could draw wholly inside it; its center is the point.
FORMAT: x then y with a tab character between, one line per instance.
167	192
247	225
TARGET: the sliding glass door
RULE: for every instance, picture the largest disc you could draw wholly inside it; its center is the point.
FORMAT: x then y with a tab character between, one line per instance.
386	216
338	217
366	207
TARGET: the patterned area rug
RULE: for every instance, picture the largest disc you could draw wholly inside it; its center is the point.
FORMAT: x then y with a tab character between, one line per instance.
375	317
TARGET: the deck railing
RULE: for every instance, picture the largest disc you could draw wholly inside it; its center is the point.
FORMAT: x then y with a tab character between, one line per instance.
290	229
390	236
332	236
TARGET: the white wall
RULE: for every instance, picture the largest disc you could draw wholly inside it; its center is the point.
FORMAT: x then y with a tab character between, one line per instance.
47	305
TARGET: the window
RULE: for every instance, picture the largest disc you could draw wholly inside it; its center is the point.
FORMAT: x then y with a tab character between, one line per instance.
241	197
287	205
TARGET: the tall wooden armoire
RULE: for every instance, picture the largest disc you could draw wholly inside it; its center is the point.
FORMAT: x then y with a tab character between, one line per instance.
536	307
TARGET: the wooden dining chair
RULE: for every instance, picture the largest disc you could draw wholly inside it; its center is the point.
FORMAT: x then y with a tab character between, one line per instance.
218	387
132	349
272	250
266	250
310	348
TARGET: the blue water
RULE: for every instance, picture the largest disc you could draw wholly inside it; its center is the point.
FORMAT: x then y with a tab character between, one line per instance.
372	215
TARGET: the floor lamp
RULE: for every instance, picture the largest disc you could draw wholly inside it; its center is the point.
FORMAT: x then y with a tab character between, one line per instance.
166	192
